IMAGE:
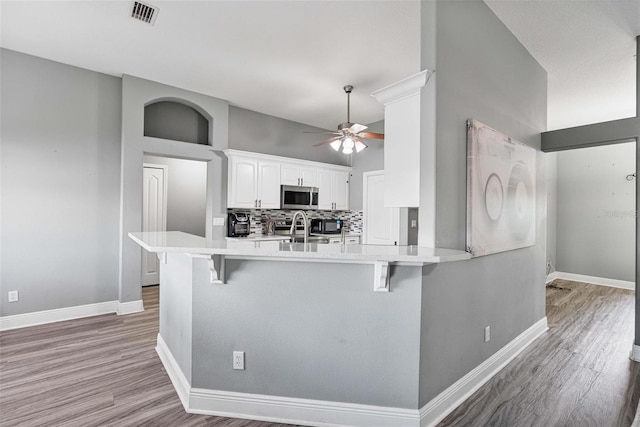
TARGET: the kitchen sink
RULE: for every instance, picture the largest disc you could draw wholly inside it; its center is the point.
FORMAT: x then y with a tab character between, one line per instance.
310	239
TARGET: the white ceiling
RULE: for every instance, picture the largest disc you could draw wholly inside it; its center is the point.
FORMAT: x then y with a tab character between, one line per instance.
587	48
291	59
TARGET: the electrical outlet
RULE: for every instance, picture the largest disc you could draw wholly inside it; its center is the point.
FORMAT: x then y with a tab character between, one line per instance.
217	221
487	334
238	360
13	296
414	223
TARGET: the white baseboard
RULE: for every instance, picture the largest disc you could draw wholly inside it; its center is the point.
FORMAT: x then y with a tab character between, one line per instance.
443	404
551	277
179	381
68	313
130	307
325	413
635	355
602	281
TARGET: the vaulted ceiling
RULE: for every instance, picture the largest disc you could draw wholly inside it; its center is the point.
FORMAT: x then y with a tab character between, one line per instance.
291	59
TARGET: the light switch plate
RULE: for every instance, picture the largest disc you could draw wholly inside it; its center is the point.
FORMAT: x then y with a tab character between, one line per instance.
218	221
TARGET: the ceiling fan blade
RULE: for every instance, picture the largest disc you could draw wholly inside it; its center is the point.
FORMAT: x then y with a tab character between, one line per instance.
325	132
357	128
371	135
327	141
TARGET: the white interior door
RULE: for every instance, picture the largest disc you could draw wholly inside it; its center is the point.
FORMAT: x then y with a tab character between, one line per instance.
154	216
381	225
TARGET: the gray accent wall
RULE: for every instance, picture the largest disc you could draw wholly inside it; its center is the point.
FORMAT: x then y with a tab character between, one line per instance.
261	133
551	160
597	211
136	93
60	168
482	72
311	330
186	194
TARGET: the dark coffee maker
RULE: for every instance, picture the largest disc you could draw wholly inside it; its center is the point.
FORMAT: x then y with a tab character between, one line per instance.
238	224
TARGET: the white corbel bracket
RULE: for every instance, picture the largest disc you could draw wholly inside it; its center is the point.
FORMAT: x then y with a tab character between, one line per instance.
381	276
216	266
162	257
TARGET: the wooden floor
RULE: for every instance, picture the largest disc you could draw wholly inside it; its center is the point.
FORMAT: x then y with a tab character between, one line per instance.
103	371
577	374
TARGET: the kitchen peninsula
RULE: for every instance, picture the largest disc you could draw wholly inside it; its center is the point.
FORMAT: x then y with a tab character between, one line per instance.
319	346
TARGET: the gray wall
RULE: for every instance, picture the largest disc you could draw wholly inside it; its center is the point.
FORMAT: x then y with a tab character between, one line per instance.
260	133
60	170
136	93
482	72
316	332
551	160
596	211
186	194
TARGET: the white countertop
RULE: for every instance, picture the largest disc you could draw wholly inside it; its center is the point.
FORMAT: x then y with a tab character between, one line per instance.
258	238
334	235
176	241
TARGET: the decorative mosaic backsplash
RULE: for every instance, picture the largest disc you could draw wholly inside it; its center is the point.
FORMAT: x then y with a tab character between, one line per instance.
352	219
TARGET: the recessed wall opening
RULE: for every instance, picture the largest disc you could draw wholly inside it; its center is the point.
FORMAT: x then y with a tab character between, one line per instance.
176	121
174	198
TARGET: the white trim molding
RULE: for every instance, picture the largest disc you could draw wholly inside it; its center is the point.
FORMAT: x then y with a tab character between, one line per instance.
68	313
179	381
593	280
444	403
402	89
325	413
635	355
551	277
130	307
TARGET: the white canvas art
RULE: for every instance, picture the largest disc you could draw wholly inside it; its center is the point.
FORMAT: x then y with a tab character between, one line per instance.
501	191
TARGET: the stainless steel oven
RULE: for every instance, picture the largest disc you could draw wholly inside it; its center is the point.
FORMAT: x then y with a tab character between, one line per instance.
298	197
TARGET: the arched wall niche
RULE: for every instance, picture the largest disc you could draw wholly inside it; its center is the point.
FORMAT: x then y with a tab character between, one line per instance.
178	120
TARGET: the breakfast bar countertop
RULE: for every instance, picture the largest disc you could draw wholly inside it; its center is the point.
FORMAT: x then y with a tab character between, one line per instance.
180	242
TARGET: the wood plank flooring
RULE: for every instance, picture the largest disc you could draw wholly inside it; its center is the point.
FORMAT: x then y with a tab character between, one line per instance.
577	374
103	371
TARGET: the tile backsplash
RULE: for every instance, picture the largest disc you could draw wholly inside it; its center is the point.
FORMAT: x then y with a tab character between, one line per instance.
353	219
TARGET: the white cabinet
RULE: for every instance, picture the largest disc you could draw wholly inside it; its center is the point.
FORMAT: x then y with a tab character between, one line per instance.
333	189
254	180
296	174
253	183
348	240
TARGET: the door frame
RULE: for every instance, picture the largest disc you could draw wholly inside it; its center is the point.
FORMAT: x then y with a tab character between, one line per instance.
165	185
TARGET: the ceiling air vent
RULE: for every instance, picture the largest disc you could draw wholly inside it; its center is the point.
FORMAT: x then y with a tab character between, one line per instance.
144	12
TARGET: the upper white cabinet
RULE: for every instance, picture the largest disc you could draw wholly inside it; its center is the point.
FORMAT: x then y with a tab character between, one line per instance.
254	180
253	183
297	174
333	189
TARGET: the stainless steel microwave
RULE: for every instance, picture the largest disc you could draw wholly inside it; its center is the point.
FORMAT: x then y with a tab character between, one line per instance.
298	197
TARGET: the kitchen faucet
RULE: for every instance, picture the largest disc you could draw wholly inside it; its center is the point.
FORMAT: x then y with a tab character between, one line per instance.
293	225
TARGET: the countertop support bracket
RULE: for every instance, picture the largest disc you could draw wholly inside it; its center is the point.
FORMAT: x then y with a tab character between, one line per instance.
162	257
381	276
216	266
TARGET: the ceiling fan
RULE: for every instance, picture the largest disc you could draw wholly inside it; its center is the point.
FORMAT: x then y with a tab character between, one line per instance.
350	135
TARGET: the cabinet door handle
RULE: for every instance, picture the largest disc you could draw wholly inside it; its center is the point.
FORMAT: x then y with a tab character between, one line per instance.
259	203
301	181
298	181
255	203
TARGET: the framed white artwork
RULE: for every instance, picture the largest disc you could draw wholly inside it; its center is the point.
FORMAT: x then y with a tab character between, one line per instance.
501	191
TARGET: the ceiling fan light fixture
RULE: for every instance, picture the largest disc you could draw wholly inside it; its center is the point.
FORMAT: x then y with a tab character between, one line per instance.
348	142
359	146
347	150
336	144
